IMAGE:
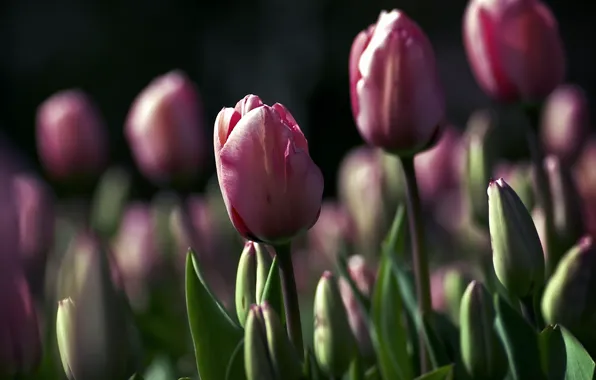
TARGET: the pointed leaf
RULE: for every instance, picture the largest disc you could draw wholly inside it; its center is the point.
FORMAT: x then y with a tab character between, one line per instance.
236	363
579	363
342	268
215	336
272	292
520	341
443	373
563	356
356	372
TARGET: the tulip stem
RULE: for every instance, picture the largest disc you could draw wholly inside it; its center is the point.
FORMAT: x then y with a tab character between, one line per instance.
419	257
290	294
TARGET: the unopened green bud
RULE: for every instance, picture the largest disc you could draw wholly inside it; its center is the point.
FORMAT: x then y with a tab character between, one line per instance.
334	343
455	282
478	163
281	351
570	293
65	319
257	363
517	252
263	266
567	213
481	350
246	279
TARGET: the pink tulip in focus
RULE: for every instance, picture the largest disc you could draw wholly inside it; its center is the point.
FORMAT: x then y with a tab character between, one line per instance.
565	123
397	99
165	130
271	186
72	139
514	48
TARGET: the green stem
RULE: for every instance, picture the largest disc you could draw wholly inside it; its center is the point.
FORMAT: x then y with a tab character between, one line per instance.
290	294
419	257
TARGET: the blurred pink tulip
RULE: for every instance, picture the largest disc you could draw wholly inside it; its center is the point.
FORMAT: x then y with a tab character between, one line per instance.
514	48
397	98
165	128
71	136
271	186
332	230
565	123
585	179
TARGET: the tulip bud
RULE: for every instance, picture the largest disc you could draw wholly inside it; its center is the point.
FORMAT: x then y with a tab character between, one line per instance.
35	204
281	351
71	135
404	118
329	233
519	177
479	160
481	350
454	282
569	295
567	211
565	123
20	343
517	252
364	278
272	188
97	337
164	128
257	362
585	179
514	48
246	278
334	343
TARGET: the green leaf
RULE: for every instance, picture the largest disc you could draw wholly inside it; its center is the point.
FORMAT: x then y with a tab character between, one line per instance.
563	356
436	348
372	374
388	333
356	371
272	292
109	201
236	364
136	376
215	335
443	373
311	368
520	341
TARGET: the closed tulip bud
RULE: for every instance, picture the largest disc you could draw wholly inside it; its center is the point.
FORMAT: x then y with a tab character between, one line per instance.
334	343
272	188
364	278
281	351
479	161
35	213
481	349
514	48
97	337
567	211
517	252
569	295
454	282
519	177
257	362
164	128
71	136
20	342
246	279
565	123
404	118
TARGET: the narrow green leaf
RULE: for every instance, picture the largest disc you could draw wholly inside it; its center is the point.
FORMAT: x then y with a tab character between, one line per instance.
436	348
442	373
236	364
450	336
579	363
215	335
311	368
552	352
136	376
520	341
342	268
372	374
395	241
356	372
272	292
185	378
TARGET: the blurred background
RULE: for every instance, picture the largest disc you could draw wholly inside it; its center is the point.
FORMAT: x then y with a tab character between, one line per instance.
292	52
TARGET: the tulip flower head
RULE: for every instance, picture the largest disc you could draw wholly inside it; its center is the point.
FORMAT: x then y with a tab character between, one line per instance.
271	187
397	99
514	48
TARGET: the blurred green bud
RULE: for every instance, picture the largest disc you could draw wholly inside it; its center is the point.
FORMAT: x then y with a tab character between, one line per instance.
454	283
257	363
96	335
334	343
264	262
570	293
246	279
567	213
482	353
517	252
478	164
284	358
519	177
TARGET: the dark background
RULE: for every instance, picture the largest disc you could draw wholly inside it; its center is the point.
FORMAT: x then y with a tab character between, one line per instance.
290	51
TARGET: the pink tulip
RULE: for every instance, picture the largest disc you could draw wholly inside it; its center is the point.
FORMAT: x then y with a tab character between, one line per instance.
164	128
565	122
397	99
271	186
71	136
328	234
514	48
